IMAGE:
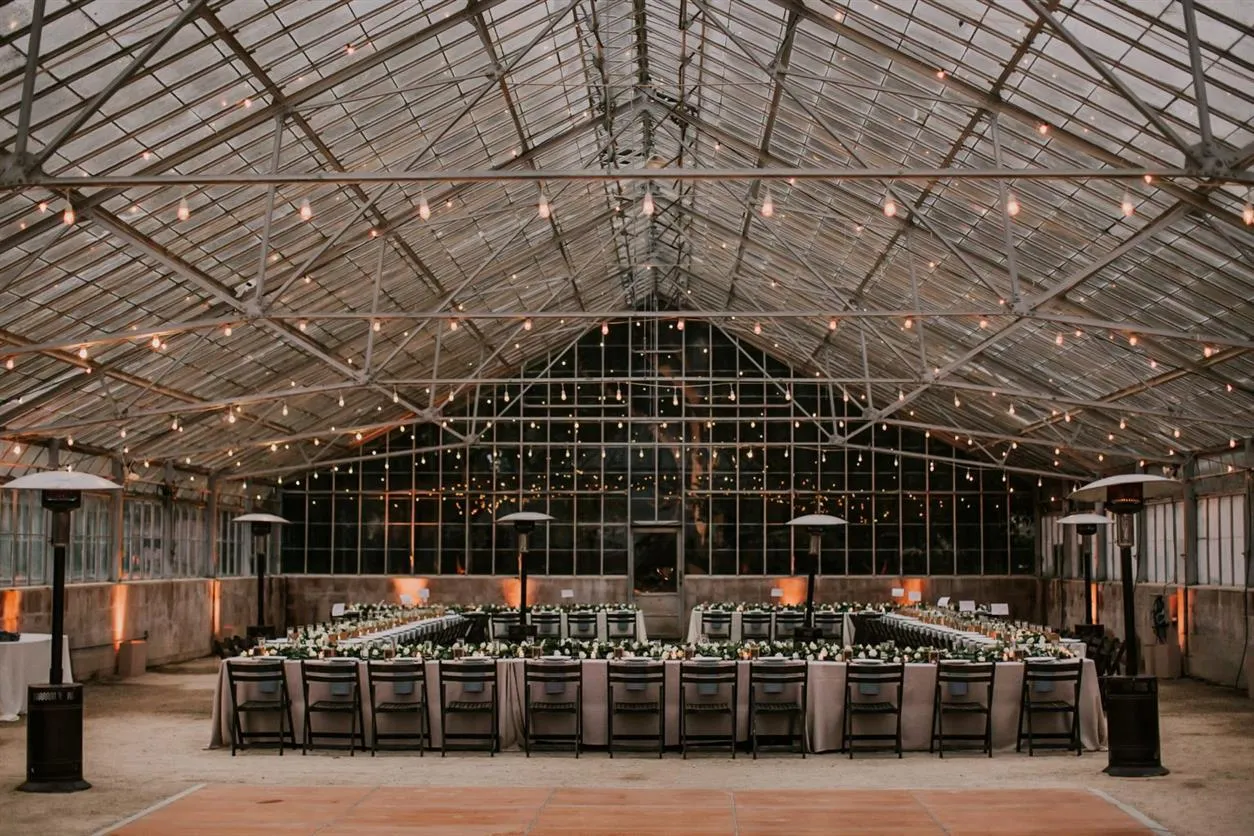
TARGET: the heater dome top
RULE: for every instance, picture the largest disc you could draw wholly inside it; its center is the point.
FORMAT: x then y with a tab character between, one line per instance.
1152	487
1086	519
61	480
260	518
816	520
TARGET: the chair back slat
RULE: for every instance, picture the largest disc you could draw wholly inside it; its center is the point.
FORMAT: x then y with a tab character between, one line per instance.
338	673
551	671
886	674
1064	671
775	672
399	671
462	671
636	672
246	670
707	671
973	673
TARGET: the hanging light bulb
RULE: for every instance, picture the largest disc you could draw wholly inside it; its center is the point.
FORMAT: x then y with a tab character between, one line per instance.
890	206
285	409
768	205
302	325
506	394
1247	214
226	330
184	211
1123	423
909	323
1126	206
679	324
340	401
396	397
675	399
731	394
1012	205
424	209
618	394
831	324
9	363
67	217
1207	351
605	328
306	211
543	207
174	425
757	327
82	353
230	415
983	322
155	342
452	324
376	326
122	432
43	207
646	205
1011	410
563	393
527	324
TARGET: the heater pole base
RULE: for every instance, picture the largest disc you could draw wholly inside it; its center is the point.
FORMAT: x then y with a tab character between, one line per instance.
1136	771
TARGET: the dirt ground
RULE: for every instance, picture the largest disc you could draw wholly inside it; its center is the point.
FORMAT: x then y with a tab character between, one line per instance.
146	739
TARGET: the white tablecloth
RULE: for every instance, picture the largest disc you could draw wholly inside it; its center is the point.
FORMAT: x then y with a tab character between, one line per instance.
412	631
824	720
24	662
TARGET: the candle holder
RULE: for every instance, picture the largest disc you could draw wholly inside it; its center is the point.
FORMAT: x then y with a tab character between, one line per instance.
618	651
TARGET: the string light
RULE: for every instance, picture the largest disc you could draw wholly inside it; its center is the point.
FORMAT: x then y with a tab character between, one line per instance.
302	325
67	217
226	330
424	209
1132	339
890	206
831	324
983	322
156	341
757	327
1012	205
527	324
909	323
230	416
1207	351
184	211
646	204
1126	206
396	397
285	409
82	353
340	401
376	326
9	363
543	207
452	324
605	328
679	324
1247	213
768	205
306	211
1058	340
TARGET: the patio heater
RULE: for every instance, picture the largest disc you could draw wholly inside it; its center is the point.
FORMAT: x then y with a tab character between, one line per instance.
1132	700
1085	527
816	523
524	523
260	526
54	720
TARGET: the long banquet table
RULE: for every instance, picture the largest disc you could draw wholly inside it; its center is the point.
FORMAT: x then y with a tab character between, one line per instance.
824	720
695	634
23	662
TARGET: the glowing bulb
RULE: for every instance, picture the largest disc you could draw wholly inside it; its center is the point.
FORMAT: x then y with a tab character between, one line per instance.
230	417
184	211
82	353
1126	206
1207	351
396	397
306	211
302	325
9	363
543	207
831	324
376	326
1011	410
1247	214
122	433
605	328
284	409
890	207
226	331
679	325
909	323
527	324
424	209
757	327
340	401
1132	340
174	425
67	217
1123	423
43	207
983	322
156	342
768	205
452	324
646	205
1012	205
1058	339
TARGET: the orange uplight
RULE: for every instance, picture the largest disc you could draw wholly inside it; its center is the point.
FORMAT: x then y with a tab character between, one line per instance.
10	609
410	587
117	606
909	585
794	590
511	591
215	607
1097	604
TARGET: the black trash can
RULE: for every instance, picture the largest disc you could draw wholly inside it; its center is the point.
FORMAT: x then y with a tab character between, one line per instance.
1132	726
54	739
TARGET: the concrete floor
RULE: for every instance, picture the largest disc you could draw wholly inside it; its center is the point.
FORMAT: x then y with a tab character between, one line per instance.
145	740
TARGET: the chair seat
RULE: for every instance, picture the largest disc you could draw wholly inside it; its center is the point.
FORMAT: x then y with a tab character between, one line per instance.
262	705
397	707
707	708
1050	705
468	706
872	708
965	707
636	708
332	706
777	708
554	707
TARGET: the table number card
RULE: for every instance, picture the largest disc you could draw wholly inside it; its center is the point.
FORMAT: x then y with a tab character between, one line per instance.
337	610
1000	609
568	593
966	606
942	601
776	592
915	596
407	600
898	592
424	593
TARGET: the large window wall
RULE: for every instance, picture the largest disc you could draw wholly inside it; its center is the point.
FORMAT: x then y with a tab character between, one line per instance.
651	421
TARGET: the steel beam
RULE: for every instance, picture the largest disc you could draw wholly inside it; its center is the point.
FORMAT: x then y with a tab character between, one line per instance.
22	138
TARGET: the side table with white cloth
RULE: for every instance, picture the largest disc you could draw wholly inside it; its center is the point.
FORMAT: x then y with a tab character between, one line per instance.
26	662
